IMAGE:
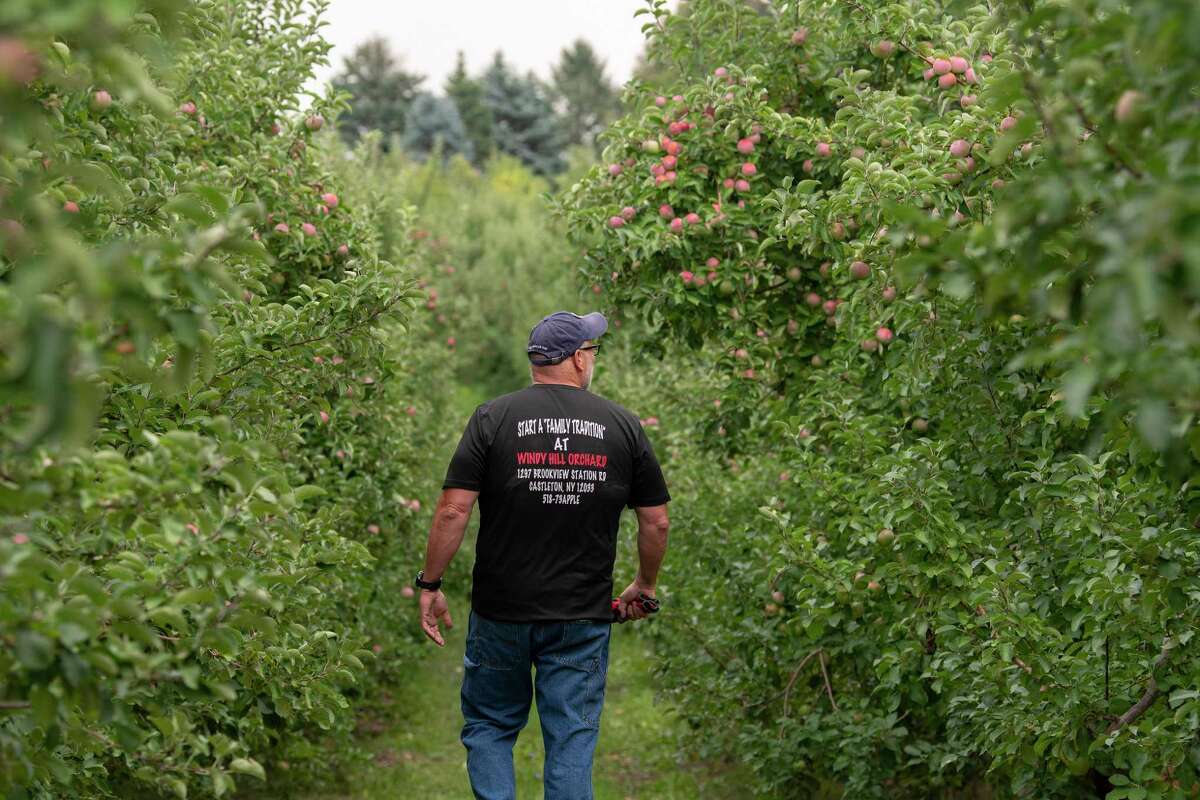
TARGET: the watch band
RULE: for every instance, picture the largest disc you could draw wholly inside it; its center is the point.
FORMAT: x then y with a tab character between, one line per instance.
421	583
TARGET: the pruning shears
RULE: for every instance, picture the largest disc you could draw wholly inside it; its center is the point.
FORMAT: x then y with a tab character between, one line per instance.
648	604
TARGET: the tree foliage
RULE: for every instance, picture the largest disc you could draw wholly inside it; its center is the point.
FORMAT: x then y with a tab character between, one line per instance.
382	91
524	124
941	261
213	428
433	125
467	94
585	99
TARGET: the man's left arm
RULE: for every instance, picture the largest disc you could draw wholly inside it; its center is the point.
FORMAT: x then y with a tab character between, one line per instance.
450	519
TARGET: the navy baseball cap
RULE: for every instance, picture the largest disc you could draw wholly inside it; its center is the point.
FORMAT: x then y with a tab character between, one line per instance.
560	334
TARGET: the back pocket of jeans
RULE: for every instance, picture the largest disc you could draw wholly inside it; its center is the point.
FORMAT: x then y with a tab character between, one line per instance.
493	645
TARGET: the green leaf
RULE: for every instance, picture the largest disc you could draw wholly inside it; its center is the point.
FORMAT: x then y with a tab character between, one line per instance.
247	766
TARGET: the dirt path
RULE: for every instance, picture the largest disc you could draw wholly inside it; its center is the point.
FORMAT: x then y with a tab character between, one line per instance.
413	737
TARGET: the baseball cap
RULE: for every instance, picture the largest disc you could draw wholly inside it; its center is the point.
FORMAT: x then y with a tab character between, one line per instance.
560	334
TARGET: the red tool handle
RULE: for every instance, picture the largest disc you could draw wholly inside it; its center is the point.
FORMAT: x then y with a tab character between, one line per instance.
648	604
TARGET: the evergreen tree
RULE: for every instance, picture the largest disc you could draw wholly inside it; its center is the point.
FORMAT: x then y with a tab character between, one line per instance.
467	94
433	124
524	124
381	91
584	97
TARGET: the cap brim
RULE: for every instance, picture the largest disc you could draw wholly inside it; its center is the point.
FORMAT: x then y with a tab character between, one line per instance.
594	325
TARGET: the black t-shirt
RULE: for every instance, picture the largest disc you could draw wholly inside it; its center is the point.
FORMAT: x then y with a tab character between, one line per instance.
554	465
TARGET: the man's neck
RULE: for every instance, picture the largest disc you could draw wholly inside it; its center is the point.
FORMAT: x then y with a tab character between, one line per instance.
557	383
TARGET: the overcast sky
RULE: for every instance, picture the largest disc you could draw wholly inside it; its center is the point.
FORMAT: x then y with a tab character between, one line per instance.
531	33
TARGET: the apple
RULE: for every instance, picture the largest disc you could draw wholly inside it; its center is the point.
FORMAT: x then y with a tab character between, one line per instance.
967	100
745	146
874	586
748	169
615	222
959	148
741	352
813	299
807	166
799	36
958	64
777	595
309	229
824	149
941	66
660	101
858	153
627	213
324	416
793	327
187	108
1008	123
666	211
343	250
71	207
860	270
686	276
824	268
1127	105
883	48
101	100
920	425
869	345
770	609
794	274
330	199
928	74
720	72
889	294
817	361
692	218
829	307
650	146
742	185
125	347
676	225
713	262
451	341
969	76
673	148
997	184
411	411
885	536
314	122
947	80
669	162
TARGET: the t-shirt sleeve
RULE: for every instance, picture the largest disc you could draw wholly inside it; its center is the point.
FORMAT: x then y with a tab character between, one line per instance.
649	488
468	465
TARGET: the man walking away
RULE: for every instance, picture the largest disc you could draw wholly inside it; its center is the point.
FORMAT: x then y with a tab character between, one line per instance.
553	467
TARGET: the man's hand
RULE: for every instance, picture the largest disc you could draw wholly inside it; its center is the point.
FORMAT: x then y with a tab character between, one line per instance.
433	608
626	606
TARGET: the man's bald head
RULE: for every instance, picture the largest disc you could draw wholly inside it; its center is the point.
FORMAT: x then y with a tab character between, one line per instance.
574	370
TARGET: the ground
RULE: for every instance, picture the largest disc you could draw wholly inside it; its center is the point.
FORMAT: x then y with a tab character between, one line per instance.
413	736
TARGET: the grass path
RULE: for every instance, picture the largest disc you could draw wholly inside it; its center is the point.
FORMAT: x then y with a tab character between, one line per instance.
413	736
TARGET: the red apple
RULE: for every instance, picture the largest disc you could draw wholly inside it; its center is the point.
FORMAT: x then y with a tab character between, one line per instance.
324	416
627	213
1008	123
889	294
101	100
947	80
799	36
824	149
188	108
941	66
958	64
666	211
860	270
742	185
745	146
309	229
884	335
813	299
959	148
615	222
676	225
686	276
314	122
330	199
71	207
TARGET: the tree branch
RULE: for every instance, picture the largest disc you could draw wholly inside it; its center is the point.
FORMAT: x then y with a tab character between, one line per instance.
1150	695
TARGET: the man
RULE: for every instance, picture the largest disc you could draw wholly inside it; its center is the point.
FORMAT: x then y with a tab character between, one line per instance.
553	466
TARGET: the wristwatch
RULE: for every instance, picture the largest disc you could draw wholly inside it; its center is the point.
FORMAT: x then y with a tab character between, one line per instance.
421	583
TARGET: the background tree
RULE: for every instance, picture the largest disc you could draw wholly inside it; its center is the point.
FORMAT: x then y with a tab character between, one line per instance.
583	95
523	121
381	90
433	124
467	94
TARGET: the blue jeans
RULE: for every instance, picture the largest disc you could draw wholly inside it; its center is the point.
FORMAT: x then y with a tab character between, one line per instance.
571	662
